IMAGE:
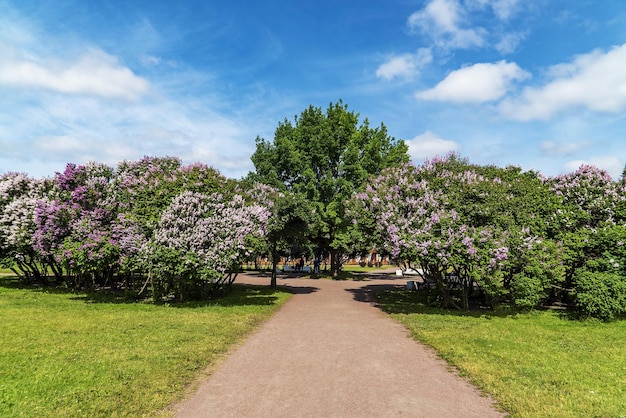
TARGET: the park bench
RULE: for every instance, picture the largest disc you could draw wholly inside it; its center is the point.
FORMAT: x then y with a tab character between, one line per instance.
408	272
293	269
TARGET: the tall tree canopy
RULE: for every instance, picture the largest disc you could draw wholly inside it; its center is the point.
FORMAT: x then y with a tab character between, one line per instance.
326	158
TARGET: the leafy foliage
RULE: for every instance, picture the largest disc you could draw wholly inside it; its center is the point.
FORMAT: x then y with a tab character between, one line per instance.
600	294
591	224
199	241
326	158
448	216
287	227
19	198
93	225
328	185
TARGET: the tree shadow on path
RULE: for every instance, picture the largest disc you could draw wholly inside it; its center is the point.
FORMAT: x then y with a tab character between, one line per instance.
368	293
298	290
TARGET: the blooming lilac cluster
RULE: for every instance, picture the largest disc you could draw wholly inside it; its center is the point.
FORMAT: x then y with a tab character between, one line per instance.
589	196
92	221
520	237
19	197
420	220
591	222
443	217
209	230
517	236
74	228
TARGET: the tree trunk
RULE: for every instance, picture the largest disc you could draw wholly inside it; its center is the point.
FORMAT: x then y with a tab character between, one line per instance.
444	291
465	295
465	287
274	262
334	263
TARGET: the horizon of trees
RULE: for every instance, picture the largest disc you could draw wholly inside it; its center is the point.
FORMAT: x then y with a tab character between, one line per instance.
326	185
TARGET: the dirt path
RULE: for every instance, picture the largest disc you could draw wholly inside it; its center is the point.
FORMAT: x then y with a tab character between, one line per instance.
330	353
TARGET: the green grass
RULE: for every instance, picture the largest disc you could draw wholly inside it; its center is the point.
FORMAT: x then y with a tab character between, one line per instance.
6	272
358	269
538	364
72	355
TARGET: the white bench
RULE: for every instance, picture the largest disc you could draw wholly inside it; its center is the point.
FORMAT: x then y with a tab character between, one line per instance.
408	272
292	269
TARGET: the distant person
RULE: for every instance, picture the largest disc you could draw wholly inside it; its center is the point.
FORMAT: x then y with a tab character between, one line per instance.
316	266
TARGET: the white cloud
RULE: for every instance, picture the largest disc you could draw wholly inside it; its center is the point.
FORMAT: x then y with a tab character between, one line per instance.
94	73
478	83
443	19
553	148
428	145
443	14
61	106
502	9
509	42
149	60
83	149
611	164
70	129
406	65
594	81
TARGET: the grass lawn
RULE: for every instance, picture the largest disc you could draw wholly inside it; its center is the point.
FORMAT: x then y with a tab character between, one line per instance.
67	354
6	272
539	364
358	269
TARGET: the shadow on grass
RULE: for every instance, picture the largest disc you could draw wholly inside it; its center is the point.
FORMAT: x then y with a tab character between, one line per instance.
248	295
395	299
14	282
241	294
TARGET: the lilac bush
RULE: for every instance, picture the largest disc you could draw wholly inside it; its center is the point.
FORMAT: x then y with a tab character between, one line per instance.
501	234
592	227
420	223
142	218
74	229
143	190
200	242
447	216
19	198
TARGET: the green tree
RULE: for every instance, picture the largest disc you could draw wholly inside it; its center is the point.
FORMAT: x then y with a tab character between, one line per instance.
287	226
326	158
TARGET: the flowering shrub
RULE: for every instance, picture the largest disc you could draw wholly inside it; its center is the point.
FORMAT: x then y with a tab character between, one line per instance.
19	198
505	235
144	218
74	229
448	216
200	242
592	227
417	221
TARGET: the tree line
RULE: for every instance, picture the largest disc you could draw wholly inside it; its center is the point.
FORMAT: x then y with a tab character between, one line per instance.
327	185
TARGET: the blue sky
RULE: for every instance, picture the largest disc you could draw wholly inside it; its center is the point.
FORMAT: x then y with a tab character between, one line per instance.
536	83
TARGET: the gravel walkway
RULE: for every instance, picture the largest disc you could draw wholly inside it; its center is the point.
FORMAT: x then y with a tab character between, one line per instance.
329	353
